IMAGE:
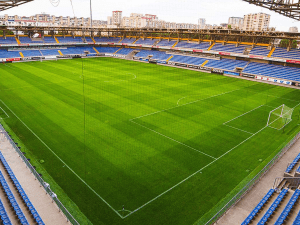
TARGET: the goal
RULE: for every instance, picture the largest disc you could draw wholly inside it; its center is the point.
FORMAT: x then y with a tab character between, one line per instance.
280	117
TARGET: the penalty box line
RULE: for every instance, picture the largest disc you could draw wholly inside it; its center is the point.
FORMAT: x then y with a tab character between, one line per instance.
64	163
158	196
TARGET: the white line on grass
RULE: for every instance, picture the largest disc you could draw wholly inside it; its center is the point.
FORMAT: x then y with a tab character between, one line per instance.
237	129
184	104
243	114
173	139
194	173
7	116
64	162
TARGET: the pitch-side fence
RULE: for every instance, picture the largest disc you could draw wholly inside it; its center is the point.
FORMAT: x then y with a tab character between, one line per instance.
43	184
251	183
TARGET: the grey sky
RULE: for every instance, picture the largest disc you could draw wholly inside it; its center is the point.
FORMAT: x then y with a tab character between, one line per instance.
186	11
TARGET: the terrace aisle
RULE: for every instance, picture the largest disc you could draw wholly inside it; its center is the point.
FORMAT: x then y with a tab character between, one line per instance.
238	213
37	195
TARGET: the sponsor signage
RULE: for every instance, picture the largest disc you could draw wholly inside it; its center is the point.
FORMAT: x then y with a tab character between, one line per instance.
13	59
231	73
224	53
193	67
180	64
171	63
274	80
196	50
217	71
204	68
293	61
256	57
248	75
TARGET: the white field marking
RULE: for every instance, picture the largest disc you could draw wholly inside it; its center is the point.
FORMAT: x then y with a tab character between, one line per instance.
195	173
173	139
238	129
7	116
64	162
122	80
184	104
125	210
243	114
202	99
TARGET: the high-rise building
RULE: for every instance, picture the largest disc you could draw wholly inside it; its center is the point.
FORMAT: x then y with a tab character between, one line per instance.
116	18
236	22
201	23
293	29
256	22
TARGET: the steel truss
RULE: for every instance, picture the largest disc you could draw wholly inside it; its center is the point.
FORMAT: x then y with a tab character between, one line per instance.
7	4
288	8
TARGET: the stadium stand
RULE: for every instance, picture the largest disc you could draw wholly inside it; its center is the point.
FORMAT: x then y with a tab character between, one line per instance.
107	49
273	207
258	50
8	40
49	39
297	219
28	53
226	64
288	208
69	39
48	52
145	42
107	39
89	40
21	191
166	43
259	206
128	40
184	44
229	48
12	200
158	55
27	40
125	51
292	165
283	53
8	54
3	215
275	71
188	60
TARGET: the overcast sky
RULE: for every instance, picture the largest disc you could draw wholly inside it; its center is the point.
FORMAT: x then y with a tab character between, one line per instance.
185	11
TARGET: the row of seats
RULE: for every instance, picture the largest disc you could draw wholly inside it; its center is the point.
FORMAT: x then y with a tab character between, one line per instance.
125	51
157	55
257	50
275	71
145	41
283	216
273	207
229	48
12	200
297	219
188	60
8	54
21	191
292	165
258	207
3	215
226	64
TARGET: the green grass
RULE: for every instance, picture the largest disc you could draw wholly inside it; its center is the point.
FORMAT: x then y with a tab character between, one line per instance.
167	144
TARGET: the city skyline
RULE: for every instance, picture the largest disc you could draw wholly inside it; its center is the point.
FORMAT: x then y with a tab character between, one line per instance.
190	11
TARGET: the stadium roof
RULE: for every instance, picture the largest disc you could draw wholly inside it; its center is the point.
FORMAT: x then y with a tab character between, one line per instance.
288	8
7	4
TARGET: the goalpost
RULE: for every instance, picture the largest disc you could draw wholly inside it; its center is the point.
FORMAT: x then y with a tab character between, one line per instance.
280	117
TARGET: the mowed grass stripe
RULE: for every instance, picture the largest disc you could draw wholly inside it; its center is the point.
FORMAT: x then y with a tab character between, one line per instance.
128	164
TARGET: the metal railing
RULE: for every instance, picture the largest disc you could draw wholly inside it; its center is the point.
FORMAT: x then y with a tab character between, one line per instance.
252	182
45	185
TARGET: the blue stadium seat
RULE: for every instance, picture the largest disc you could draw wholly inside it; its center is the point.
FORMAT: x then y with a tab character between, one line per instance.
145	42
258	207
128	40
283	53
259	50
8	40
48	39
21	192
166	43
125	51
292	165
229	48
288	208
273	207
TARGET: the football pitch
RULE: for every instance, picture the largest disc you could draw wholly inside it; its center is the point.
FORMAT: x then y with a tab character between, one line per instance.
136	143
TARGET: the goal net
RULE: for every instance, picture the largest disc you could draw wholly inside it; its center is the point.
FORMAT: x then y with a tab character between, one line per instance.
280	117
